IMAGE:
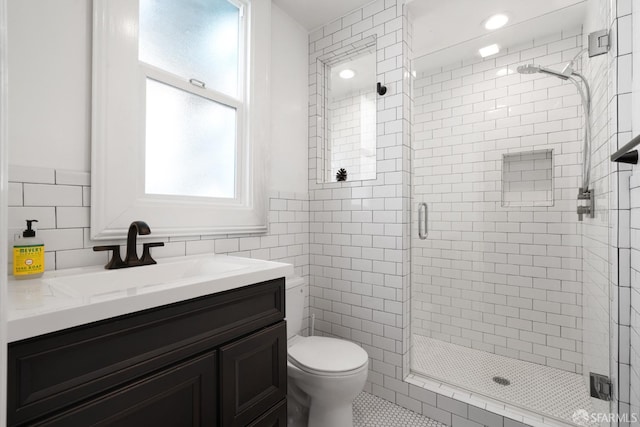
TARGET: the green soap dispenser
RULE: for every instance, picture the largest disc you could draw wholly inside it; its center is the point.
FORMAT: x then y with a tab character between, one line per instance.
28	254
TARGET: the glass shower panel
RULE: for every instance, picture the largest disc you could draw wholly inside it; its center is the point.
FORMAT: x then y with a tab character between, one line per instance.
499	294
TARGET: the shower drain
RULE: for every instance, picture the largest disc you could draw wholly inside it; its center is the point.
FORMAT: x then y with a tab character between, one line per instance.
501	381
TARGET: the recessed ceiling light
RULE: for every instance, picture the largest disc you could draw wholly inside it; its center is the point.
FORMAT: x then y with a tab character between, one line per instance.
492	49
496	21
347	74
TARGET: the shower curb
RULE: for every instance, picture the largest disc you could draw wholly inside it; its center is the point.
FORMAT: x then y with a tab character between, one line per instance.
479	409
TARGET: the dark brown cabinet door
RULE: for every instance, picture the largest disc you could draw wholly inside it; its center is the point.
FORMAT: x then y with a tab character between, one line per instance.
253	373
276	417
180	396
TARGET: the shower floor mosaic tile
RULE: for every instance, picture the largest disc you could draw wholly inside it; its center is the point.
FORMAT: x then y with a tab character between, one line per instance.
541	389
372	411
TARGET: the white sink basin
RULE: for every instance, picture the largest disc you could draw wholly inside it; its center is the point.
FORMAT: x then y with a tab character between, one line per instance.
66	298
137	280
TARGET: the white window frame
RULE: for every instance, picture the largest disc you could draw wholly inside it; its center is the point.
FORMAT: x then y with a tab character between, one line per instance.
118	132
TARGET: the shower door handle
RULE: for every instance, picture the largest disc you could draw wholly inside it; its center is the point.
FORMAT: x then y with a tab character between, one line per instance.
423	221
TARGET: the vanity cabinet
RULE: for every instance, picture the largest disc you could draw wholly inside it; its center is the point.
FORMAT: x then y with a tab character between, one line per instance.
215	360
176	396
251	375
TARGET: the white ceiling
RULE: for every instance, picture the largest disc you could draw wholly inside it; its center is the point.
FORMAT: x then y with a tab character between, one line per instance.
312	14
453	29
438	24
567	18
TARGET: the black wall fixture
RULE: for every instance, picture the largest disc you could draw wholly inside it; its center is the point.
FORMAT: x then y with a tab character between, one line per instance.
627	154
381	89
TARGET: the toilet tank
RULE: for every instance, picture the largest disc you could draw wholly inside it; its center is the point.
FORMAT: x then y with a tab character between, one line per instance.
294	305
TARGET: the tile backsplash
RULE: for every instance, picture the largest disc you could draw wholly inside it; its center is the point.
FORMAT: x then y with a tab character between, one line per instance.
60	201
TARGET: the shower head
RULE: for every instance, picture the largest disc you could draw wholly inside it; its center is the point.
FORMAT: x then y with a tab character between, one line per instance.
528	69
532	69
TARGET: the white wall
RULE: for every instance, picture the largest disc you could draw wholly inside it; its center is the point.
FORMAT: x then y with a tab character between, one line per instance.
289	100
50	83
3	210
50	90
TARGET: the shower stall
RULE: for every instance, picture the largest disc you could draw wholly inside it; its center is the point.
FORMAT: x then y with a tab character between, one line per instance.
509	271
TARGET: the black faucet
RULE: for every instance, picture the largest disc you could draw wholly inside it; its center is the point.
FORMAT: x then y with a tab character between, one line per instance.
131	258
136	227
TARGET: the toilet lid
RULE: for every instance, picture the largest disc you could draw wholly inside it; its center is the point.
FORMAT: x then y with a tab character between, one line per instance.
323	355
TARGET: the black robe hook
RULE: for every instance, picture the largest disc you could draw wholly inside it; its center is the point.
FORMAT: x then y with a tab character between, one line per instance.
381	89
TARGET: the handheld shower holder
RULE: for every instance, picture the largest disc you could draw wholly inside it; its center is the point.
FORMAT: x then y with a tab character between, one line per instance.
589	208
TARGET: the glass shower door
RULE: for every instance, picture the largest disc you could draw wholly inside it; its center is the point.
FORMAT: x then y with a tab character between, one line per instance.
501	305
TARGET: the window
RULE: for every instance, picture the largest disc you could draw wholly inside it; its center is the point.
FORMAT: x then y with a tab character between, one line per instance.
191	54
179	118
190	144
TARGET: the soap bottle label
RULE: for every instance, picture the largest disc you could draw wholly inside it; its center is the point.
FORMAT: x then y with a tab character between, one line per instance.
28	260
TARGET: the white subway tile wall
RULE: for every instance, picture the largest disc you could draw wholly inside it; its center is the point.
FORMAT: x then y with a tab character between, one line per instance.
503	279
629	193
359	230
359	244
624	375
60	201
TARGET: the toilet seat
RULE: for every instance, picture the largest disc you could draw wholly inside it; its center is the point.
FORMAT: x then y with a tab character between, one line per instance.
327	356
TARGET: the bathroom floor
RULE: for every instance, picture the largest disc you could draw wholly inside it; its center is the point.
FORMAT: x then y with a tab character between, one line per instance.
541	389
372	411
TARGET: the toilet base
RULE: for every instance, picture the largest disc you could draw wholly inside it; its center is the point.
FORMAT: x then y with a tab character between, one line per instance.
330	415
297	406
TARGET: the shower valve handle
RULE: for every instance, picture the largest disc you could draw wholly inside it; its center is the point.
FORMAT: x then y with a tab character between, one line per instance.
589	208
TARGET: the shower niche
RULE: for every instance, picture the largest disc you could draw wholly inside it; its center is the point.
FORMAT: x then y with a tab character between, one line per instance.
527	178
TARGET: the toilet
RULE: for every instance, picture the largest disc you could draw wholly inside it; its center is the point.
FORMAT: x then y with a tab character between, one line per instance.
324	374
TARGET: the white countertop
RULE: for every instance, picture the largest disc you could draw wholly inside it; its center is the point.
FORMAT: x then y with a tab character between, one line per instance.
58	299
